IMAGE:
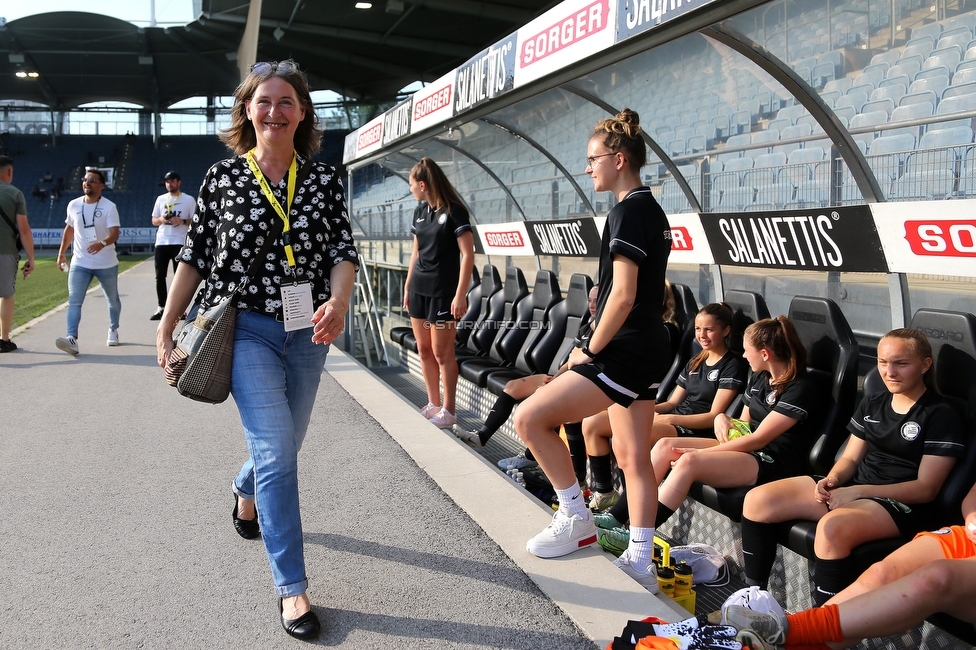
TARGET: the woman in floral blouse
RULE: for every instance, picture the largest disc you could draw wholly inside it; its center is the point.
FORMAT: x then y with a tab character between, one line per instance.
298	298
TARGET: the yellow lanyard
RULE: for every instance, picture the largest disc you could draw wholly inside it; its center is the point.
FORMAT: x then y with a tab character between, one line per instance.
169	208
266	188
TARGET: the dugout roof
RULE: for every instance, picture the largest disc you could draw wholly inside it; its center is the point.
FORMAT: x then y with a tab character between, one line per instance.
365	54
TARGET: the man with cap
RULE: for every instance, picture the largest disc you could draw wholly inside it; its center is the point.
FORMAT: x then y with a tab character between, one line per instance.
172	213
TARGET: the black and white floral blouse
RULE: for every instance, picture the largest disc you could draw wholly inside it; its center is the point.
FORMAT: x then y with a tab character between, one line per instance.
233	217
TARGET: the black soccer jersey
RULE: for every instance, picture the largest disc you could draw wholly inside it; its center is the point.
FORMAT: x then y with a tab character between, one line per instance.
896	442
702	384
638	229
797	400
438	260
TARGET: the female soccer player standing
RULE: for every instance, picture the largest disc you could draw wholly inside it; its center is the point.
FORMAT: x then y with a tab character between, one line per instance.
621	366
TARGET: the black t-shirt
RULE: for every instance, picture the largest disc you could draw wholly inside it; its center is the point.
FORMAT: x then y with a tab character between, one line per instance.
702	384
638	229
896	442
797	400
439	256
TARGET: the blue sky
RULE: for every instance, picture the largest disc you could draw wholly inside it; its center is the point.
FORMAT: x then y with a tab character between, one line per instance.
168	12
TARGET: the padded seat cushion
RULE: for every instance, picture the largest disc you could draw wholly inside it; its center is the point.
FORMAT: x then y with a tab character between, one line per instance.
397	334
477	370
409	342
496	380
728	501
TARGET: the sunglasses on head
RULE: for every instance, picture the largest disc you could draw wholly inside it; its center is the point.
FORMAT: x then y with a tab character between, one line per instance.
282	67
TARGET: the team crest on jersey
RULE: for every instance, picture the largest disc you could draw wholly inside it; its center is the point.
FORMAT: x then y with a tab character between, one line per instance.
942	531
442	219
771	398
713	375
910	430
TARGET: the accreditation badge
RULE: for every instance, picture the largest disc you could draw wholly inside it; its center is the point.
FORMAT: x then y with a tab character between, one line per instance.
296	304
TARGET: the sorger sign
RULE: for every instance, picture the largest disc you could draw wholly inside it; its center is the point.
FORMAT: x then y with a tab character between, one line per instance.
688	242
432	105
942	238
504	238
369	137
566	33
934	237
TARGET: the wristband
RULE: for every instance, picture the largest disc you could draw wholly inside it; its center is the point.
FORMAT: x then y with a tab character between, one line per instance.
587	352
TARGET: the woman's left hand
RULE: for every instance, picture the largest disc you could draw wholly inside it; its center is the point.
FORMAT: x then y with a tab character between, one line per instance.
577	358
329	319
842	496
681	451
459	306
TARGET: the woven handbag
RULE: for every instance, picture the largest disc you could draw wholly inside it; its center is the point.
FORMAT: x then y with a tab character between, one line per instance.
204	354
201	362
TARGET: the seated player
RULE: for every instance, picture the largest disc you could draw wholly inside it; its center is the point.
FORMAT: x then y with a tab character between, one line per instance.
903	443
778	403
935	572
706	387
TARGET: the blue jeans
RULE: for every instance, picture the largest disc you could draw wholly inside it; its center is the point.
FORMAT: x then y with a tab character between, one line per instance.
274	381
78	280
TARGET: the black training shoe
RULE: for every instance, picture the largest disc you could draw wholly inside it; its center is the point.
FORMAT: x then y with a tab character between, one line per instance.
157	314
7	346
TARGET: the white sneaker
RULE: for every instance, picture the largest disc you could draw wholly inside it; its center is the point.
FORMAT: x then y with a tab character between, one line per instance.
568	532
603	500
67	343
429	411
646	579
517	462
769	626
443	419
470	437
113	338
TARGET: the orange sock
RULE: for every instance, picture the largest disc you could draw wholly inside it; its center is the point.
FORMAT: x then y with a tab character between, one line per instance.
817	625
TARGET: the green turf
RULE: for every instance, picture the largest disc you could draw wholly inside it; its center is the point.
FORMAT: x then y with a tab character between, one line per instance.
47	287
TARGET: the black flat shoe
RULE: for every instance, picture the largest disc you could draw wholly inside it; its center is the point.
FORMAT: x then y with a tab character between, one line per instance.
306	626
246	528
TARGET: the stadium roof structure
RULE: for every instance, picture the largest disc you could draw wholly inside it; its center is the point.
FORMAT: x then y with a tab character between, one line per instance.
365	54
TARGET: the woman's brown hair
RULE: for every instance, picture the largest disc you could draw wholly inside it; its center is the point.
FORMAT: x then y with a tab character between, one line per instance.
921	346
721	312
778	336
670	306
240	136
442	194
622	133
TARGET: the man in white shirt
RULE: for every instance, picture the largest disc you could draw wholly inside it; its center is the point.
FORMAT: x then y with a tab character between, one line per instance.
172	212
91	228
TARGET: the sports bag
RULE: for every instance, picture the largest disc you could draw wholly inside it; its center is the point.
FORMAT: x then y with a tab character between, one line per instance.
707	563
756	599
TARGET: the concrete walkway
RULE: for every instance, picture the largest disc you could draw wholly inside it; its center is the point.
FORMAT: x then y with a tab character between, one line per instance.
115	526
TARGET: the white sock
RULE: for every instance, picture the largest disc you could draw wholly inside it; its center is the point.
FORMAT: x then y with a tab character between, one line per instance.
640	550
572	498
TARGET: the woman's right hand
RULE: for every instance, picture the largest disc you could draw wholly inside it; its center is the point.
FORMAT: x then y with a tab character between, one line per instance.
406	302
164	344
824	486
971	526
722	425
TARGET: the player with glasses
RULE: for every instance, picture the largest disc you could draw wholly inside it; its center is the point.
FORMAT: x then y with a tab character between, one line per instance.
619	368
291	309
91	228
